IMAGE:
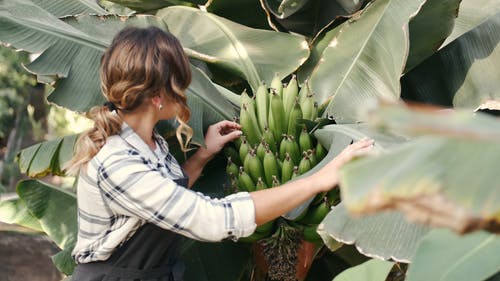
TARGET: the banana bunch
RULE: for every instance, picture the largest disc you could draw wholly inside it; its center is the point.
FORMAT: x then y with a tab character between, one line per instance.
276	147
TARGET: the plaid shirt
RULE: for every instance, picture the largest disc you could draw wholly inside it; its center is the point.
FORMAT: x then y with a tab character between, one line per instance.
126	185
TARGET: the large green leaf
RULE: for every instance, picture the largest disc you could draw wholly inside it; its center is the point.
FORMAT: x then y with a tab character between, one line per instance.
471	14
70	49
336	137
464	73
439	178
372	270
153	5
64	8
429	28
312	17
56	212
385	236
253	54
363	63
446	256
47	157
246	12
15	211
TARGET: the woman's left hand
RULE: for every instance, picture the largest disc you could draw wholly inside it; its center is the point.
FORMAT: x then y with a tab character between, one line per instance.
219	134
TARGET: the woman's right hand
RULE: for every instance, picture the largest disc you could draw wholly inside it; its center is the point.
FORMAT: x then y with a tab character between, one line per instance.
328	176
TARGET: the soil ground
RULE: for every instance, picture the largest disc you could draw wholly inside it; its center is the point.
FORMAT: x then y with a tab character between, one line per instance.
25	255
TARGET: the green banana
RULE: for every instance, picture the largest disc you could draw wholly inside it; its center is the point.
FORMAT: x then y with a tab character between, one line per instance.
231	152
316	214
253	166
276	116
261	149
304	92
287	169
276	181
310	234
295	172
270	167
245	181
312	157
307	108
260	184
256	236
304	165
292	147
231	168
320	152
248	126
244	149
295	115
276	84
261	105
290	93
270	140
305	140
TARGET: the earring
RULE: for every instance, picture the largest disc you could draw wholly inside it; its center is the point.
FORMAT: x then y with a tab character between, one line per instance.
160	107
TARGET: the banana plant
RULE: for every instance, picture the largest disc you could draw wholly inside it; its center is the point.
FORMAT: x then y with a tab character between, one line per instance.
350	62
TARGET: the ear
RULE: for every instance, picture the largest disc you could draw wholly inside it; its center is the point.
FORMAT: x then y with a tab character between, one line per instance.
156	101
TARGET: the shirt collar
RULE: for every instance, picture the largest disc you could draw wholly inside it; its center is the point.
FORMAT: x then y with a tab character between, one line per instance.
134	140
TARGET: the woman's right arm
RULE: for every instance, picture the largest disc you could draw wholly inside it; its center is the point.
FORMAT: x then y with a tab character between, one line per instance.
273	202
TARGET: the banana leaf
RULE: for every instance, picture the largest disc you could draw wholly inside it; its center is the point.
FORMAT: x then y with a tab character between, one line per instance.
440	177
55	210
154	5
429	29
308	17
471	14
336	137
47	157
372	270
387	235
463	74
252	54
354	73
443	255
116	9
64	8
15	211
246	12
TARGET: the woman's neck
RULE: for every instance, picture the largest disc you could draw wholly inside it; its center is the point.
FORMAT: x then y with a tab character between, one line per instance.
143	124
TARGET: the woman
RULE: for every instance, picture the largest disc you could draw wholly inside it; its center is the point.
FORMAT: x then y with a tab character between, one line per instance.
134	201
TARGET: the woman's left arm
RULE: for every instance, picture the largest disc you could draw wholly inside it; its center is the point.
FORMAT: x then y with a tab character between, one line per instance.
216	137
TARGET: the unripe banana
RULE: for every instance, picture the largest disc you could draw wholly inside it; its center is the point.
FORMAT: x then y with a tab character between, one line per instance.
290	93
270	167
270	140
245	181
237	142
231	168
310	234
248	126
292	147
305	140
304	92
230	152
276	181
287	169
253	166
295	172
265	228
256	236
320	152
261	105
261	149
316	214
295	115
260	184
276	84
244	149
276	117
307	108
304	165
312	157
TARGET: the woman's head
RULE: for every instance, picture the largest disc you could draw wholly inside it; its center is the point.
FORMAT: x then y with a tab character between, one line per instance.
140	65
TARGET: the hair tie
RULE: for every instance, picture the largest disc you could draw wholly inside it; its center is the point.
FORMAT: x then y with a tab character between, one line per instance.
111	106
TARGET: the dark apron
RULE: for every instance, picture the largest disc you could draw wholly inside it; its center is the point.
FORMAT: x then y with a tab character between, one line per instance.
151	254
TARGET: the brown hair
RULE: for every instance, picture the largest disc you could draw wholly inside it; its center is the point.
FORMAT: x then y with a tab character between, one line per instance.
139	64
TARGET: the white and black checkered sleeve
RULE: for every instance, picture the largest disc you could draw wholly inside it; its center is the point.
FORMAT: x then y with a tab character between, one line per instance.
134	188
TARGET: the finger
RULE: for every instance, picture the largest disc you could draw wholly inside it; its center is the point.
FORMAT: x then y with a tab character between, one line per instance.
361	144
231	136
365	151
228	124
